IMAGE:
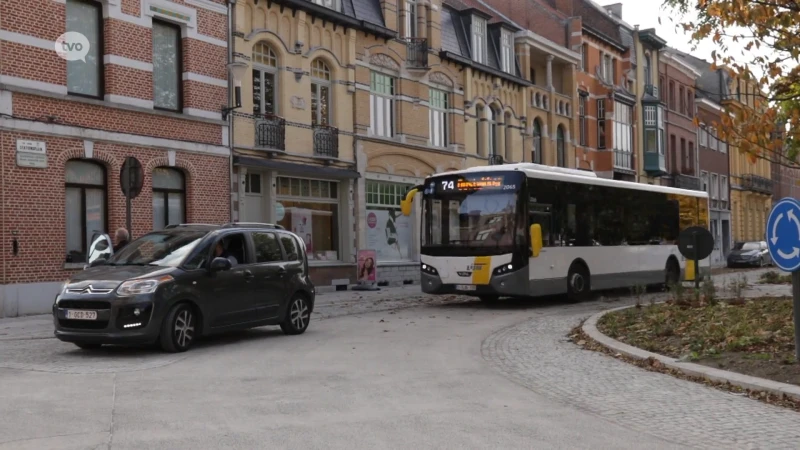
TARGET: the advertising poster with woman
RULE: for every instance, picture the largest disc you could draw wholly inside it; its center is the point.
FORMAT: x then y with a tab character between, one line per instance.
389	233
367	268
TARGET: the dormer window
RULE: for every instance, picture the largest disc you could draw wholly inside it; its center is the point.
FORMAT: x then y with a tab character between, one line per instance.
332	4
479	39
507	51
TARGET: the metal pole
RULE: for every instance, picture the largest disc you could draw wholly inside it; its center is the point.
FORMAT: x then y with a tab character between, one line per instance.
128	200
796	307
696	262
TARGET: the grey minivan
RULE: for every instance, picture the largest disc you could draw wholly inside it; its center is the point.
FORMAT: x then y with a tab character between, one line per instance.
172	286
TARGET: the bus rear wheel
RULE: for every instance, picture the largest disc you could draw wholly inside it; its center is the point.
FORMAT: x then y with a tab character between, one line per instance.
578	283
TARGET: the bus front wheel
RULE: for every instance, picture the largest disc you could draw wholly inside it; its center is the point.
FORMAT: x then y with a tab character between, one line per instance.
578	283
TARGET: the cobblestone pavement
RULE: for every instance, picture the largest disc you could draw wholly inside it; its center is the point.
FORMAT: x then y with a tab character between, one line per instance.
27	343
537	354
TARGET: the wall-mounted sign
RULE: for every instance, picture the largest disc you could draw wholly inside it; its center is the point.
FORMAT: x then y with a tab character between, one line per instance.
31	154
298	102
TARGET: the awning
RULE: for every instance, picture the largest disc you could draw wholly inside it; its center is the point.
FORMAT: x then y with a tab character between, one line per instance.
294	168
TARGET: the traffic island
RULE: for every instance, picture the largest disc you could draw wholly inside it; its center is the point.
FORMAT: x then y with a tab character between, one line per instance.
741	346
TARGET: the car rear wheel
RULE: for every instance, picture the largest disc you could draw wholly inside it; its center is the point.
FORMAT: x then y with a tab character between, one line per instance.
178	329
88	346
298	316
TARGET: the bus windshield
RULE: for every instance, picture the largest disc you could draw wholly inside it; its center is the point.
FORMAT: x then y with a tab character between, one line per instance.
472	215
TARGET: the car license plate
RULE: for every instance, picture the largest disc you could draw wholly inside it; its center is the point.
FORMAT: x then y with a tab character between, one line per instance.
81	315
465	287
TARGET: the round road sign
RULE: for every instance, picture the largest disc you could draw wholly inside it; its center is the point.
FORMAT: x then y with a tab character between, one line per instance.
131	177
704	243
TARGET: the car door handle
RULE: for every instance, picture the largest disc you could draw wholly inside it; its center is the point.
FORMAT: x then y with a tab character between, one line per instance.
281	272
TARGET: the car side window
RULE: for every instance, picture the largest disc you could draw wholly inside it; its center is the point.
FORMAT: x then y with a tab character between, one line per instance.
199	260
290	247
266	247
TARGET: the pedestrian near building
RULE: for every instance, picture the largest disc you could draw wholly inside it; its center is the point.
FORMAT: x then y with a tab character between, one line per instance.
121	239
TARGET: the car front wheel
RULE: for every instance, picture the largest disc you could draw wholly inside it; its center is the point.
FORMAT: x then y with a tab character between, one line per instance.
178	329
298	315
88	346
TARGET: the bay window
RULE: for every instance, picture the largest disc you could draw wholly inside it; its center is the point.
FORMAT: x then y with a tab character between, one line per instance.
623	127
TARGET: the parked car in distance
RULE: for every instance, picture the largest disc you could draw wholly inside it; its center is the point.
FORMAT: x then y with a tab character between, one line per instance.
172	286
750	253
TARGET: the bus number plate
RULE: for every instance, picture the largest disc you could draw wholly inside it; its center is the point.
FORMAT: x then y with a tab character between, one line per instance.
465	287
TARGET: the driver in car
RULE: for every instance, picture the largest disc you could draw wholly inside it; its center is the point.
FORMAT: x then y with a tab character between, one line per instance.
221	252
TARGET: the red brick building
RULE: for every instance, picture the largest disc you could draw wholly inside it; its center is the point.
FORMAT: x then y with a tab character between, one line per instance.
151	86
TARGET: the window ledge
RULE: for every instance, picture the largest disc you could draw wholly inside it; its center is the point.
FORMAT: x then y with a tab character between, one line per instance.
114	105
74	266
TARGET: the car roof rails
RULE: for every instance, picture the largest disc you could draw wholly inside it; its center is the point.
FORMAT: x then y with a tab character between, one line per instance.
270	226
176	225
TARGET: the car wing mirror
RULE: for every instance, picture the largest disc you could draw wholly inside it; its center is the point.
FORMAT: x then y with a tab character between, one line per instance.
100	250
220	264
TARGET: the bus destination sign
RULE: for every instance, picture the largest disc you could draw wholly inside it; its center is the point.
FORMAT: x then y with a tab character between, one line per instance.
474	183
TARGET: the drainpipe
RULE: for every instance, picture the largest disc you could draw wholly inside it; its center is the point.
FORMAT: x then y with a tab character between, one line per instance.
231	42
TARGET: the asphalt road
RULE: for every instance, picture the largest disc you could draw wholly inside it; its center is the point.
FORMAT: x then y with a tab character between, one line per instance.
418	373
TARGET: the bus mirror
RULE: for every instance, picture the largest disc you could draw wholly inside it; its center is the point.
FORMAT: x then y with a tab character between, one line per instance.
405	204
536	239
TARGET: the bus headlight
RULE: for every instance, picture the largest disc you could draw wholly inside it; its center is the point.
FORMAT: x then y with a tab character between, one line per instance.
504	269
429	269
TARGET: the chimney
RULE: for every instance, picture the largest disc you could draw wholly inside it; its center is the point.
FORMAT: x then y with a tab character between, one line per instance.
564	6
615	10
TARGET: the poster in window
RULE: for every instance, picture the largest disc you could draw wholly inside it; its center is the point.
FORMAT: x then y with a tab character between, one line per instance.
367	267
302	226
389	234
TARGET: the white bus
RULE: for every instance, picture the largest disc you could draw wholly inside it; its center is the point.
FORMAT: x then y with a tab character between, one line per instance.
527	230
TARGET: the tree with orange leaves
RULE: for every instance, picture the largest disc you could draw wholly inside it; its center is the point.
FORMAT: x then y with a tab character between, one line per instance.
769	33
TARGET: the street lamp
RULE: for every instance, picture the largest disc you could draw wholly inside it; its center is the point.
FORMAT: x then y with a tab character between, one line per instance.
237	70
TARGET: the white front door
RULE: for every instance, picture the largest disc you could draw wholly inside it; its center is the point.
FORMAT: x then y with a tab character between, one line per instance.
253	198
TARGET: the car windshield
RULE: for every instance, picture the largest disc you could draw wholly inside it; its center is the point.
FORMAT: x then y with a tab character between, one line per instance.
157	249
746	246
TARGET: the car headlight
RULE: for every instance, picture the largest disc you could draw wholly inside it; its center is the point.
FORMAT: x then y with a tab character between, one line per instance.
142	286
63	287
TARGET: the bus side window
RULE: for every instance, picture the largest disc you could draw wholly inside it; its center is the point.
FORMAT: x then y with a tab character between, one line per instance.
542	215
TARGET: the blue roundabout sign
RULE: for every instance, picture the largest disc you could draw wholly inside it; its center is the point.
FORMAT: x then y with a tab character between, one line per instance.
783	234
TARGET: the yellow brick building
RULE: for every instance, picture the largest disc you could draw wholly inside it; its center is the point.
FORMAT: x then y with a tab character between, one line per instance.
751	184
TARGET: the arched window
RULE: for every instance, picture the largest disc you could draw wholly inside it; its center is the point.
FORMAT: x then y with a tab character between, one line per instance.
265	77
480	134
85	183
491	120
169	197
320	93
560	151
537	142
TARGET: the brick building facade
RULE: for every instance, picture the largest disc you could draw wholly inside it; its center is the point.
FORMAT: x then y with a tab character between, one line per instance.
151	87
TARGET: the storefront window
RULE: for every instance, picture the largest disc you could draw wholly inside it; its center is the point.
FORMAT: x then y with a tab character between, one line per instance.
310	209
388	230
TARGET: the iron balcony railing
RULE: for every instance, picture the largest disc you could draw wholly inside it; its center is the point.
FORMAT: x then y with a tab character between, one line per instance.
687	182
326	141
756	183
271	132
623	160
495	160
417	53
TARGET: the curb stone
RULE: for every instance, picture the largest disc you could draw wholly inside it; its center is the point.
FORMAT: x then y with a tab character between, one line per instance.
696	370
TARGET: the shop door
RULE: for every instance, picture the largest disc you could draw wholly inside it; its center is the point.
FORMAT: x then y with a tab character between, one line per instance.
253	198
